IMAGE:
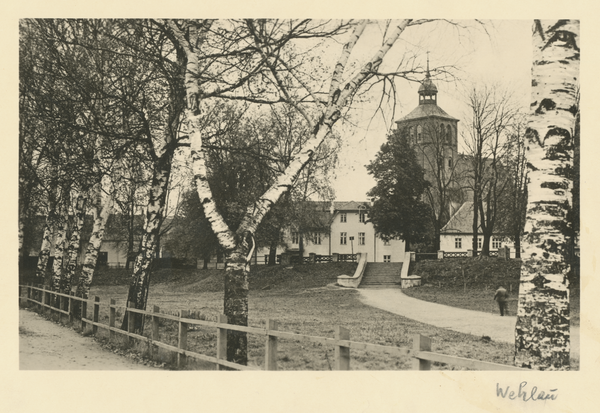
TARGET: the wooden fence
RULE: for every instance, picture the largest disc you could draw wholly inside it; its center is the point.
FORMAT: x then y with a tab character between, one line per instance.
421	354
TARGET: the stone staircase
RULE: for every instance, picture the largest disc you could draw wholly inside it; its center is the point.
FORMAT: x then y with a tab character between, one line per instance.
382	275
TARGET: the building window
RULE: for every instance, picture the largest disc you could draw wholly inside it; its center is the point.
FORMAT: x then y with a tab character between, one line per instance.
449	134
361	238
342	238
343	217
496	244
386	242
411	134
458	243
295	237
450	162
419	133
362	217
387	258
479	243
318	238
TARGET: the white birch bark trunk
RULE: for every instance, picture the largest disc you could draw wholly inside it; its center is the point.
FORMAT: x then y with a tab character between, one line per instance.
542	334
101	209
78	215
59	250
239	246
140	281
44	253
21	235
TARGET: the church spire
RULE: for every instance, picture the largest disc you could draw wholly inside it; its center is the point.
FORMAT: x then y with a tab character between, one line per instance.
428	90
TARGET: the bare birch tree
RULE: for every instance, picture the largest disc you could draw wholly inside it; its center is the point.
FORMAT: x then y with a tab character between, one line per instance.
239	243
542	334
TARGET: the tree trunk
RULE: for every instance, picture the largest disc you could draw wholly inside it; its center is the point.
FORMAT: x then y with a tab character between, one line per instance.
518	246
485	247
100	211
273	254
436	240
140	279
44	254
74	243
236	279
130	231
21	236
235	302
474	245
59	252
542	337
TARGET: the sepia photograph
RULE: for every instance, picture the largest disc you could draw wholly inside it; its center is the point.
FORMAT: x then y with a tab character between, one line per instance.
315	196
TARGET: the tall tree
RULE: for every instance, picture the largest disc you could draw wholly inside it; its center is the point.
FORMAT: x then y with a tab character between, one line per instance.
513	204
492	114
268	38
398	207
443	172
542	334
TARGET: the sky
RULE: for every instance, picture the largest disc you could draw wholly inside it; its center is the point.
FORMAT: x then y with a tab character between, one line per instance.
495	52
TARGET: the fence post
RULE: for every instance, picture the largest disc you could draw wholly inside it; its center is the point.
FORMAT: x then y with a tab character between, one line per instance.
96	314
111	319
155	323
271	347
421	343
71	295
342	353
43	300
83	313
130	322
182	340
61	305
45	297
28	292
222	341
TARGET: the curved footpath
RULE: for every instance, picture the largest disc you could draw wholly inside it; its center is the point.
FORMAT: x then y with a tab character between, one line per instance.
456	319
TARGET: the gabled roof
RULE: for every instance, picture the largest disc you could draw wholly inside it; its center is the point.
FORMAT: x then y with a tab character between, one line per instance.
462	221
423	111
350	205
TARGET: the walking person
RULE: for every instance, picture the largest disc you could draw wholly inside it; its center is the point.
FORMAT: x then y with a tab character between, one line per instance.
501	297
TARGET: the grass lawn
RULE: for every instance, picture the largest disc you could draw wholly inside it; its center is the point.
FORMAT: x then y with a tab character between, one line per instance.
304	300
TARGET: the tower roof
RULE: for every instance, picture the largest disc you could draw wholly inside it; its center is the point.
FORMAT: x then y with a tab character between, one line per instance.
423	111
427	101
427	86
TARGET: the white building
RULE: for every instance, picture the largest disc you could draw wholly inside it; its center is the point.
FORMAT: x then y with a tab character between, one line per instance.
457	234
345	230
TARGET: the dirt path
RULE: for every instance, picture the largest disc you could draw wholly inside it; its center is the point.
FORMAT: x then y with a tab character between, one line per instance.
457	319
44	345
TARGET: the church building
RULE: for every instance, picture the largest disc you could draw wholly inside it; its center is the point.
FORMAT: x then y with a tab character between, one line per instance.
433	134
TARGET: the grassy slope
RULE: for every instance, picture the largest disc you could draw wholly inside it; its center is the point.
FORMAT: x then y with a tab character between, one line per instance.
303	300
443	283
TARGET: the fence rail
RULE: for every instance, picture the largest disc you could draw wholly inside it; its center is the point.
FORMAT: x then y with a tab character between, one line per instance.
63	303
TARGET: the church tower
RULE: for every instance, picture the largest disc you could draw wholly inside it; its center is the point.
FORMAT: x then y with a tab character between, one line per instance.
431	132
